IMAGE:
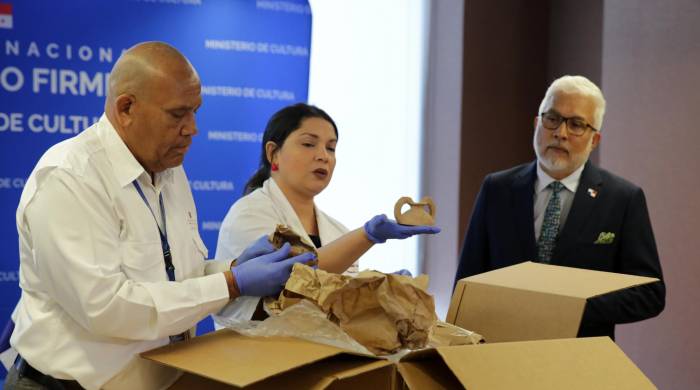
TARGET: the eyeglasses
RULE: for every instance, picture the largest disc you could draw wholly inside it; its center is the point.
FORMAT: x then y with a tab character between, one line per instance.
575	126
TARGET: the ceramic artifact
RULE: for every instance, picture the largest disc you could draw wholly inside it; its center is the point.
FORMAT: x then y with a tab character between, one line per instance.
419	213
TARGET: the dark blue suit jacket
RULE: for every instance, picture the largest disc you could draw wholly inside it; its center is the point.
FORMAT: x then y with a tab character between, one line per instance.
501	233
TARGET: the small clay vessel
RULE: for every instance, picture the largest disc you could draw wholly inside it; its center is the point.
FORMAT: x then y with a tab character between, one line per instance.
284	234
417	214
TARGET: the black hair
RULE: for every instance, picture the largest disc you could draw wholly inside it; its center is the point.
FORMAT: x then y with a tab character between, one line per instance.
278	128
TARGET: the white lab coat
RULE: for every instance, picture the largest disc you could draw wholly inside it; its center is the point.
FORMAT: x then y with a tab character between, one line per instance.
258	214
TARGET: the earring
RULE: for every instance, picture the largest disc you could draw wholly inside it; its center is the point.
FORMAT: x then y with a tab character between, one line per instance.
274	167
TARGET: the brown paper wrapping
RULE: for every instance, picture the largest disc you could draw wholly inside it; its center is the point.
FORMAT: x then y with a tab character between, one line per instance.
383	312
445	335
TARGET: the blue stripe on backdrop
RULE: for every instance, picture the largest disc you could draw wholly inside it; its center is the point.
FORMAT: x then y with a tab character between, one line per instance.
252	57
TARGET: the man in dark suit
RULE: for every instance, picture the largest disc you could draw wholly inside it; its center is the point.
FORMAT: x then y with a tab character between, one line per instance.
563	210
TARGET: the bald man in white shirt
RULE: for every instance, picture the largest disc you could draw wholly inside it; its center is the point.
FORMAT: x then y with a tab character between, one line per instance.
111	261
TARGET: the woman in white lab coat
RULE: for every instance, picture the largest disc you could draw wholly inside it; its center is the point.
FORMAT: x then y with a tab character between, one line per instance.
296	164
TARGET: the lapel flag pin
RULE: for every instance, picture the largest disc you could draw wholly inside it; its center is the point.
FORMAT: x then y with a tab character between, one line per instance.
593	193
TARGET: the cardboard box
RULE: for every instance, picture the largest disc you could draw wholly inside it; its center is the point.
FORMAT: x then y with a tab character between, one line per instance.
572	364
226	360
531	301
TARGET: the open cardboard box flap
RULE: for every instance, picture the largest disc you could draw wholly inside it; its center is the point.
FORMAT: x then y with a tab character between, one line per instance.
241	361
573	364
531	301
225	359
554	279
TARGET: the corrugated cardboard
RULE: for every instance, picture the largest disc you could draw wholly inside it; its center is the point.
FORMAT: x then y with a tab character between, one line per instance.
531	301
572	364
225	359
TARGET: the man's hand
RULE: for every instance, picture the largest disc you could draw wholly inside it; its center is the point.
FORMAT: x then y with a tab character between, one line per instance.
265	275
260	247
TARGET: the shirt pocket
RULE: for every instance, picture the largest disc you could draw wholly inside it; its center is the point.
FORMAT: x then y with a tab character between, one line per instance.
200	248
191	263
143	261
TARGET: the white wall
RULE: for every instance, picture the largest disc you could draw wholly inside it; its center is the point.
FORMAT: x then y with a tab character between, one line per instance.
442	143
368	71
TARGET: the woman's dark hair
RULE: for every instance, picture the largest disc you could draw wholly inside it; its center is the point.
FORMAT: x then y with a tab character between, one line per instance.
278	128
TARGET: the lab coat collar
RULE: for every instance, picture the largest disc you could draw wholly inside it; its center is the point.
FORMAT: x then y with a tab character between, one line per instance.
292	220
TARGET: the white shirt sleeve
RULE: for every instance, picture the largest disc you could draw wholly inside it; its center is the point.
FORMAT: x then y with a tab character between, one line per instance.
78	257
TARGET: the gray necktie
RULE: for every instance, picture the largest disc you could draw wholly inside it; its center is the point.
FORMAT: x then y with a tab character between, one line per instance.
550	225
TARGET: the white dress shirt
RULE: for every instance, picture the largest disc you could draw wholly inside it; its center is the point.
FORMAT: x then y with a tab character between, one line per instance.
258	214
94	288
543	193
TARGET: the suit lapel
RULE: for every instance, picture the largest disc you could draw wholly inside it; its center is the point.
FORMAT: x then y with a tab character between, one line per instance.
585	200
523	209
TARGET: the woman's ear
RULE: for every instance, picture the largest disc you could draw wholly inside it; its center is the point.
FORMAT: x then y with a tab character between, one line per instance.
270	151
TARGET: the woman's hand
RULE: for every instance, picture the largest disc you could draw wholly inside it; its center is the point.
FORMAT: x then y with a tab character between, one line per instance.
380	228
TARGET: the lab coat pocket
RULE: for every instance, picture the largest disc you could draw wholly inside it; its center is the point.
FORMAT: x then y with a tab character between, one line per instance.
143	261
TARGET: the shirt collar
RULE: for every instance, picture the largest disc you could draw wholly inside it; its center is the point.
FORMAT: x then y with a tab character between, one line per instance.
126	167
570	182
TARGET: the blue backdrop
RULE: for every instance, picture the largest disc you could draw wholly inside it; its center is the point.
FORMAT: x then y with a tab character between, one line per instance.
252	57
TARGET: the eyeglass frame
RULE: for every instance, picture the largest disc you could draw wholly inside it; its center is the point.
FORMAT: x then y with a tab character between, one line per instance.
568	126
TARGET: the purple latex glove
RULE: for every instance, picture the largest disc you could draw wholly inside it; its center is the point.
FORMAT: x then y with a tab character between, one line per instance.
380	228
260	247
403	272
265	275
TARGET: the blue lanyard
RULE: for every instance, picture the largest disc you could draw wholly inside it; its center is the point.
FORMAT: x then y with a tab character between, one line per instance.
167	256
